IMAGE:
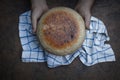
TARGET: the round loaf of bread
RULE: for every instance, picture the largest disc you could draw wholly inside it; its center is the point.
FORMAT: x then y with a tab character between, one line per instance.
61	31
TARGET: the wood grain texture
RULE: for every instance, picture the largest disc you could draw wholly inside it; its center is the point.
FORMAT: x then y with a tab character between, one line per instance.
11	67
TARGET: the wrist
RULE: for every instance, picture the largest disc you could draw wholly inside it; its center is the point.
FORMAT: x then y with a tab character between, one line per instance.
36	4
85	4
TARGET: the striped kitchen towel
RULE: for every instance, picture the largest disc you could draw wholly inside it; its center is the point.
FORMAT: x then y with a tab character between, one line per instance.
94	49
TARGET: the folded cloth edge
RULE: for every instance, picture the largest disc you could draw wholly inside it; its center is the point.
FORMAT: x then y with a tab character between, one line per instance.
92	19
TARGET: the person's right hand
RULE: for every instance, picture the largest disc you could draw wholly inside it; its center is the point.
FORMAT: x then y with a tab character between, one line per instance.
83	7
38	8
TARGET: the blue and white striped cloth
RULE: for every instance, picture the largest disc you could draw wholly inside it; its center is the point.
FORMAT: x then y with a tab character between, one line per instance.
93	50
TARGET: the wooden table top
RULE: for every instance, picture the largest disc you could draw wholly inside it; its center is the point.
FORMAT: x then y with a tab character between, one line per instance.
11	67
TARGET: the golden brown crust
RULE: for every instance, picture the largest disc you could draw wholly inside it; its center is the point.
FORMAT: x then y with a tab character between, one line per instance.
61	31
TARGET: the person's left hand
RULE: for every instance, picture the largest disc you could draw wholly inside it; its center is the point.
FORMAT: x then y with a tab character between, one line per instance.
85	12
39	7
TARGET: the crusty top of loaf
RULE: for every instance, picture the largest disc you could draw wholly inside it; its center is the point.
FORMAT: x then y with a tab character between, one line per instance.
61	31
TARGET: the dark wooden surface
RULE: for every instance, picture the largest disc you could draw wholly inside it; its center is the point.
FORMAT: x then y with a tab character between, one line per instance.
11	67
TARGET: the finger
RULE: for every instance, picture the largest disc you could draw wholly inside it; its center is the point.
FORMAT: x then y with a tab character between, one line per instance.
87	20
34	18
45	10
34	23
77	9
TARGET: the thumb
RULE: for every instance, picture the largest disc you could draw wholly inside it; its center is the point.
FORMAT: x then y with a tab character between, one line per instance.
34	18
87	20
34	24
